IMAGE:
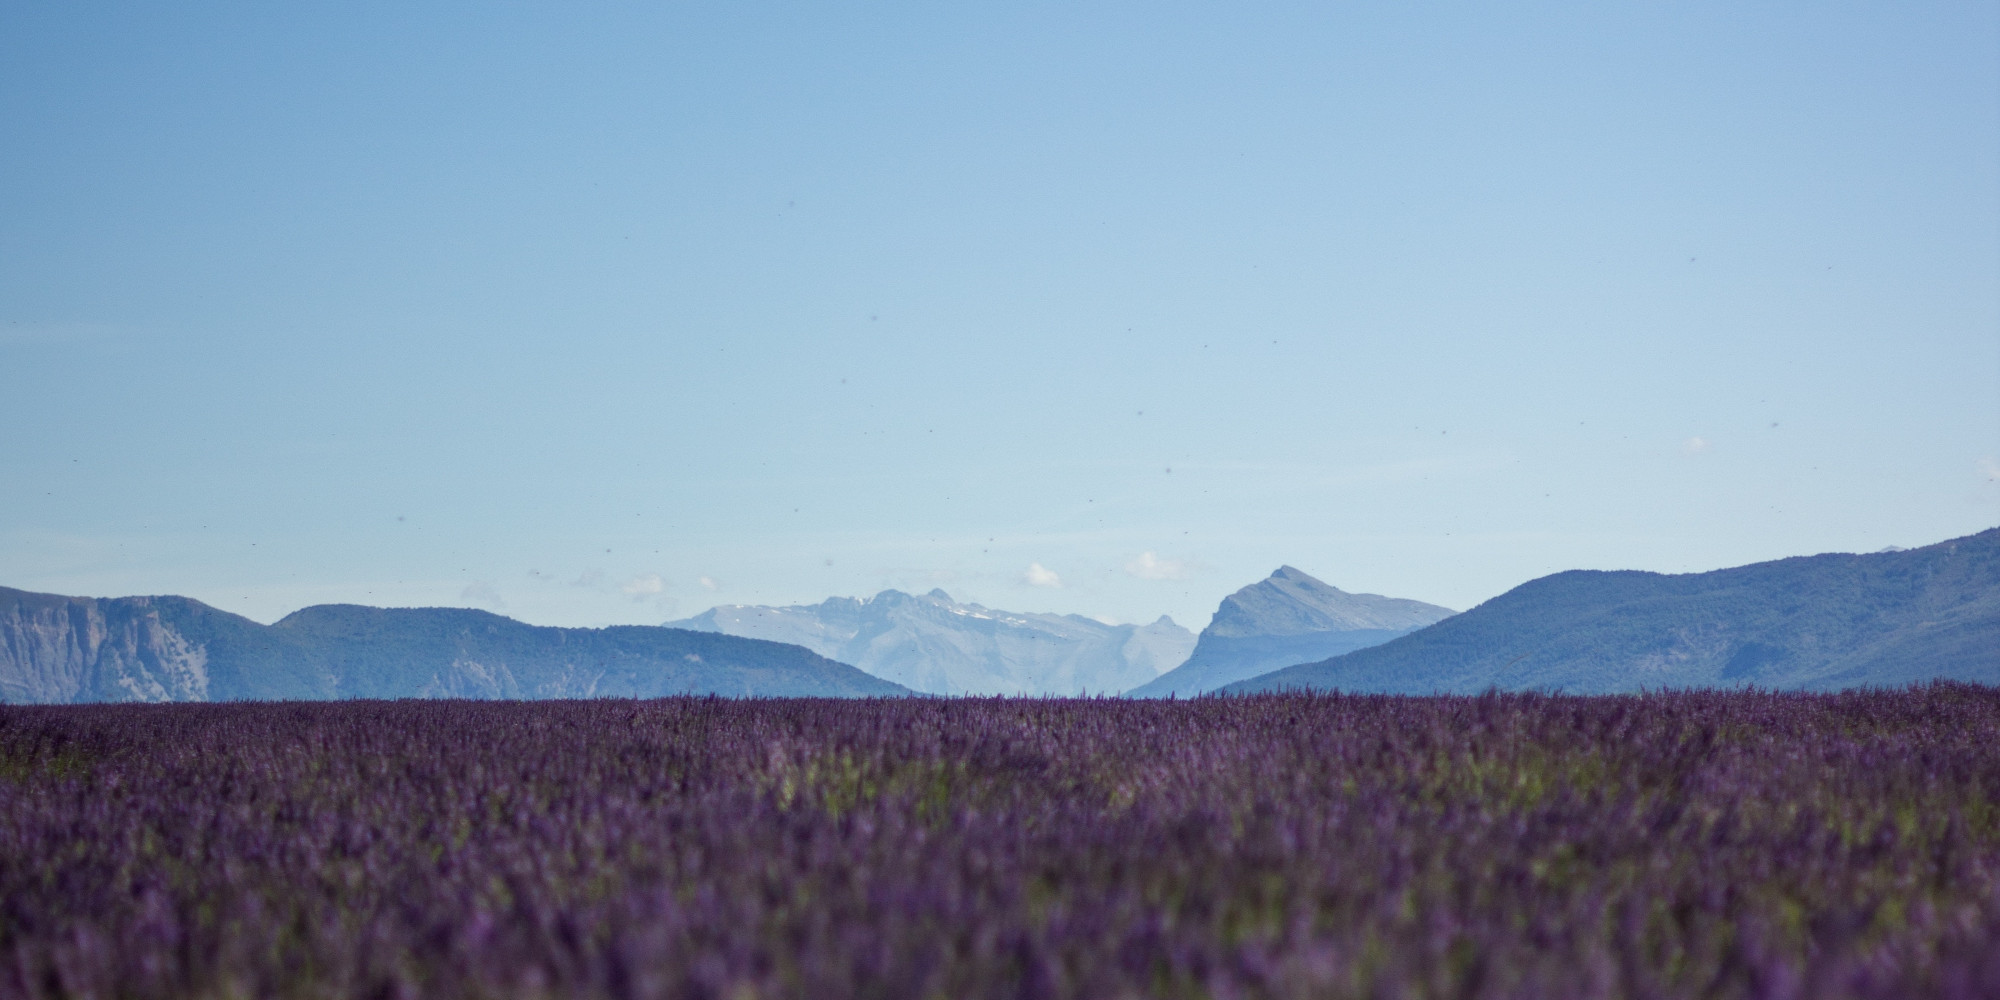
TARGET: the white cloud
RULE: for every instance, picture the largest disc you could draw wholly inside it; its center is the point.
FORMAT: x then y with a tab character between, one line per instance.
641	587
1694	446
1990	469
483	594
1040	576
710	583
1151	567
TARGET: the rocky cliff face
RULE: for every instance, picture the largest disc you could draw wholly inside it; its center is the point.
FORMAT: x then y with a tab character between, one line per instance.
68	649
936	645
1284	619
56	649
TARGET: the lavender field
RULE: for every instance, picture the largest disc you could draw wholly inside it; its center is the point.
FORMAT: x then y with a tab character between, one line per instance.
1674	845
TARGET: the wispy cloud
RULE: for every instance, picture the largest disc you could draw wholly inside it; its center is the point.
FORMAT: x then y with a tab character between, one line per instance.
1039	575
1694	446
589	578
643	586
483	594
1989	468
1149	566
710	583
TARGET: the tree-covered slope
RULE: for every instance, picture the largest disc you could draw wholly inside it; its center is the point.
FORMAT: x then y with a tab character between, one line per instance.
1812	623
455	652
56	649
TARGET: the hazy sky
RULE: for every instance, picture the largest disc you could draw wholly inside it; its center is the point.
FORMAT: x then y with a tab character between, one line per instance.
592	314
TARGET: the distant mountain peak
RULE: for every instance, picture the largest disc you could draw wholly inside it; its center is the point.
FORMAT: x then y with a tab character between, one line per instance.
1293	602
1828	621
1286	618
940	645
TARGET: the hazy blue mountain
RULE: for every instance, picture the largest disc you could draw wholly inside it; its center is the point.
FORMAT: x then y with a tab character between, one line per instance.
936	645
1287	618
56	649
1813	622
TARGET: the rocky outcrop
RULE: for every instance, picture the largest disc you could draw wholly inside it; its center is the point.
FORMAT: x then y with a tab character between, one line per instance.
61	650
68	649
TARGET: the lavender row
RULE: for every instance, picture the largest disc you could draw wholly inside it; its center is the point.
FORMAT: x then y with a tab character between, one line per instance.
1670	845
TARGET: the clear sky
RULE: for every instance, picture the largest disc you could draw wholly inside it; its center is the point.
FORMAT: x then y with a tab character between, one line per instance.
602	313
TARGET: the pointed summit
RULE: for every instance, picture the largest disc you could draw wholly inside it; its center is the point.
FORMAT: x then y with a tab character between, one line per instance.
1286	618
1292	602
1823	622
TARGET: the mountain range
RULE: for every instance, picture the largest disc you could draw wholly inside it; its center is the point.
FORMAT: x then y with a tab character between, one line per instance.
1813	622
936	645
1284	619
1818	622
56	649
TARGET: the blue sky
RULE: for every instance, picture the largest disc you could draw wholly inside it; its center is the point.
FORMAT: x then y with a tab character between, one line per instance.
594	314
